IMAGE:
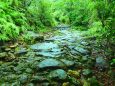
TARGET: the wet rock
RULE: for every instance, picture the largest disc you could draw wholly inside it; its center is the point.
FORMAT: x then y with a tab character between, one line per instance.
87	72
45	54
82	50
23	78
84	59
7	49
71	47
62	27
74	73
47	49
7	56
58	74
2	55
45	84
35	36
74	52
44	46
84	43
68	63
36	79
101	63
13	46
50	63
49	53
11	56
28	70
22	51
66	84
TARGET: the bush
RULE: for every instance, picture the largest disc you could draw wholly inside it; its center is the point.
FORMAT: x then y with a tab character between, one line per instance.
12	22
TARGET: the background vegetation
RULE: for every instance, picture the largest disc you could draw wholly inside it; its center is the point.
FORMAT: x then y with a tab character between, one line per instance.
96	16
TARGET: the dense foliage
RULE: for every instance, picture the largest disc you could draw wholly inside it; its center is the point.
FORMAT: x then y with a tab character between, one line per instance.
17	16
97	17
12	22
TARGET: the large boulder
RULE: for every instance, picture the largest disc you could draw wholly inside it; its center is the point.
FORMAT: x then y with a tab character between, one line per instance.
46	49
50	63
44	46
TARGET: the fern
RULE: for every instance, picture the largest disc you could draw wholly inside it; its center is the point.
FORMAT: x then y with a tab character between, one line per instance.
12	22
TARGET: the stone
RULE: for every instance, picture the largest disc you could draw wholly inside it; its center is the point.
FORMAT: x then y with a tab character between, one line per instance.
82	50
87	72
44	46
13	46
68	63
101	63
84	58
2	55
84	43
7	49
28	70
50	63
47	49
11	56
66	84
35	36
38	78
74	52
58	74
46	84
62	27
23	78
74	73
48	54
22	51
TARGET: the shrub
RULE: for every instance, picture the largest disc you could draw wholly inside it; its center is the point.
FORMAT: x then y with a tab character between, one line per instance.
12	22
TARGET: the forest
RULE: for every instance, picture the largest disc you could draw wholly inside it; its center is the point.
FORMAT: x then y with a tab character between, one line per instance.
57	42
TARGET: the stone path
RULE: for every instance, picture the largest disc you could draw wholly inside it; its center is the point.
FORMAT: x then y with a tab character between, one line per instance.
49	63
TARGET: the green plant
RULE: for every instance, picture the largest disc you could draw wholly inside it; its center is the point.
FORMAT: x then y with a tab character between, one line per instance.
41	15
12	22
